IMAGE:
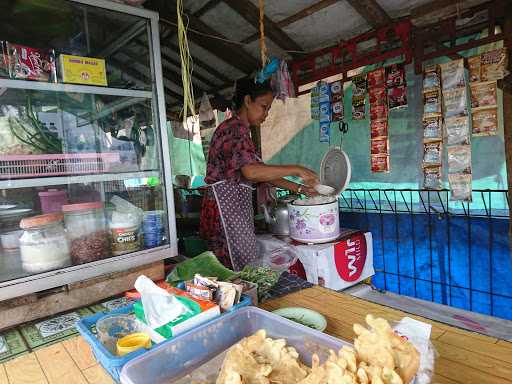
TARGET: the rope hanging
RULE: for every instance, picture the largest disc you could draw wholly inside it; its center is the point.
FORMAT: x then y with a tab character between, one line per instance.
263	45
186	65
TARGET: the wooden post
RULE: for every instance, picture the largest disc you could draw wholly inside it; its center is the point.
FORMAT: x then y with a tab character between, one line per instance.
507	112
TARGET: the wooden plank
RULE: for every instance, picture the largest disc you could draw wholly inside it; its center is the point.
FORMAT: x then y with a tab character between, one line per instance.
206	7
3	375
58	365
438	379
25	370
464	374
80	351
97	375
371	11
505	344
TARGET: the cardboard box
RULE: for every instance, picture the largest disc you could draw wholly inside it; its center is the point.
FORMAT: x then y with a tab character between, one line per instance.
82	70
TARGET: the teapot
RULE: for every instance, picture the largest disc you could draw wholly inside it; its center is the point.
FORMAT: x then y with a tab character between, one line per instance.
276	215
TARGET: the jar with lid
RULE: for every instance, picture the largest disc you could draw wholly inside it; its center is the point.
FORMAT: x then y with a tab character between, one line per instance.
43	244
87	231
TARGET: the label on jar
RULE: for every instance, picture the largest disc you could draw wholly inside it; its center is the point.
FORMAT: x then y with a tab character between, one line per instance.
125	240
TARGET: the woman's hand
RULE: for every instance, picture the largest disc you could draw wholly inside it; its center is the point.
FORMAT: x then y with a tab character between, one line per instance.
309	178
308	191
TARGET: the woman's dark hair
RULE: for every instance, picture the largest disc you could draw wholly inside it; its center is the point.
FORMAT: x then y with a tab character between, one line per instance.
247	86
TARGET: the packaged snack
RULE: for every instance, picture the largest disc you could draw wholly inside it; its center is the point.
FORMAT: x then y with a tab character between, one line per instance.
378	129
432	106
377	78
485	121
457	131
455	102
379	163
494	64
431	78
460	187
358	108
397	97
474	64
484	94
27	63
205	282
432	129
395	75
315	103
324	91
325	112
4	60
325	132
336	91
226	297
377	96
198	291
452	74
359	86
432	153
337	111
459	159
432	178
378	112
379	146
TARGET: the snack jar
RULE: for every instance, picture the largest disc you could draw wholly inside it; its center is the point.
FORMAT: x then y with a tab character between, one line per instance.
43	244
87	231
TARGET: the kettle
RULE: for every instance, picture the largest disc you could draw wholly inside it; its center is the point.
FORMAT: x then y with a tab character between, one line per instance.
276	215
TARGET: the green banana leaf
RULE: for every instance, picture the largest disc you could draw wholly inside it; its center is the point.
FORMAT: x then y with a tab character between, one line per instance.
205	264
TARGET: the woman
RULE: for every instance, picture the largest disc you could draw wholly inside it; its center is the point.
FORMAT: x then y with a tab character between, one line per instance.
227	216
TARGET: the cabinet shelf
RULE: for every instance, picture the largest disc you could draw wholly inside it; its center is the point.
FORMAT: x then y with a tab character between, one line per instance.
73	88
60	180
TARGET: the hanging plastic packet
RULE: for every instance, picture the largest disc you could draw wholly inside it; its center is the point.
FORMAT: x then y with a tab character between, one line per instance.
377	97
379	146
485	121
336	91
460	187
315	103
457	131
484	94
494	64
459	159
324	92
397	97
379	164
27	63
4	60
474	68
378	129
378	112
455	102
206	114
337	111
432	178
395	75
325	112
432	129
432	105
431	78
359	86
452	74
325	132
282	83
358	108
377	78
432	153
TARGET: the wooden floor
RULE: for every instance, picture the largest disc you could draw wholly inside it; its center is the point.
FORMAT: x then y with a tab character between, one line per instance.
464	357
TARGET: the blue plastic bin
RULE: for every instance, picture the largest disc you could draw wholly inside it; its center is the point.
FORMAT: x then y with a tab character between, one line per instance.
112	363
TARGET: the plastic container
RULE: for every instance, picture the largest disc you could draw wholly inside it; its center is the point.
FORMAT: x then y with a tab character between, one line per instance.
52	200
153	228
132	342
87	231
44	245
168	362
125	227
113	327
11	240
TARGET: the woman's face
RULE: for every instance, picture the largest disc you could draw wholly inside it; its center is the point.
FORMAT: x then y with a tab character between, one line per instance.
257	109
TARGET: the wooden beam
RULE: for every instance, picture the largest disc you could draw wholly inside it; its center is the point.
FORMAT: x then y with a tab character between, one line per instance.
205	8
251	14
371	11
195	74
229	52
507	113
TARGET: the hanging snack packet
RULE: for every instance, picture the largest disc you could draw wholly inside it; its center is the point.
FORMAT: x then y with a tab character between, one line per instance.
378	129
432	178
474	64
484	94
377	78
337	111
432	129
457	131
336	91
358	86
377	96
379	146
452	74
379	112
325	132
379	164
325	112
397	97
358	108
455	103
485	121
324	91
4	60
27	63
395	75
459	159
494	64
432	153
460	187
432	106
431	78
315	103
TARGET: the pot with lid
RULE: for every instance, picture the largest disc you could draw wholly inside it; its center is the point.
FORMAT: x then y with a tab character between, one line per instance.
317	219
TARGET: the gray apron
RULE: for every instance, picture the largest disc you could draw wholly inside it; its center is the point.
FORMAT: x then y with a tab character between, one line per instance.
237	217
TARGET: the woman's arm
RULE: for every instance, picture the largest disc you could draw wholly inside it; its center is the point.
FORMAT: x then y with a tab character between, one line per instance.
261	173
294	187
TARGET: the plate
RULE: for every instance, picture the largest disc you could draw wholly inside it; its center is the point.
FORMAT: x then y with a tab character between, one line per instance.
14	212
303	316
7	206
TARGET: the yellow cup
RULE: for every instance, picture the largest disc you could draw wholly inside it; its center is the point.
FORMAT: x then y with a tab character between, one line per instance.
132	342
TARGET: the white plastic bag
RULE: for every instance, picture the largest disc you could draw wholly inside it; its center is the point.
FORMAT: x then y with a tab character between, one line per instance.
160	307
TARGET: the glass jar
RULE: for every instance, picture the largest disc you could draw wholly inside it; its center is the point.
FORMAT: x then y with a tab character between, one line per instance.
87	231
43	244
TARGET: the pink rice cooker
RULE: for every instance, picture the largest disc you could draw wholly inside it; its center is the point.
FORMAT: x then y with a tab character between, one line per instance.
317	219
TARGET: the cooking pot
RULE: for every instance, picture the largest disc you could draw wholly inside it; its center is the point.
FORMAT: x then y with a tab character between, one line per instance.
276	215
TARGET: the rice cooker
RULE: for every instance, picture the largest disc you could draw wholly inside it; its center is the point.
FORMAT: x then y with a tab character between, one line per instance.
317	219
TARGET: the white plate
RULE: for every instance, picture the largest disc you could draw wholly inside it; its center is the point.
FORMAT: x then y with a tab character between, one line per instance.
303	315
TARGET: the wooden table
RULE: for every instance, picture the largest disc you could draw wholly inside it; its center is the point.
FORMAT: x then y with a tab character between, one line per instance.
464	357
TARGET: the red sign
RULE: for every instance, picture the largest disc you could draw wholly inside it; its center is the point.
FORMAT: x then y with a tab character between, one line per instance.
350	257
